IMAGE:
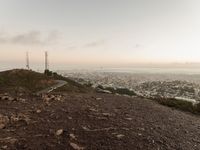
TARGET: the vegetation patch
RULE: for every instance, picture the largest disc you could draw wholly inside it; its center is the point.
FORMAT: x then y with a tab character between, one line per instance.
121	91
179	104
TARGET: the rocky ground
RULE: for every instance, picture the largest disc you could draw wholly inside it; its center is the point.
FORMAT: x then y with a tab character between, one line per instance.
79	121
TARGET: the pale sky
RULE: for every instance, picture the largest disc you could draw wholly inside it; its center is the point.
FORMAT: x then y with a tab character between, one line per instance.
99	32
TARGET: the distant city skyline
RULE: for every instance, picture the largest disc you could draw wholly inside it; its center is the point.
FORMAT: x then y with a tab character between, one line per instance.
99	33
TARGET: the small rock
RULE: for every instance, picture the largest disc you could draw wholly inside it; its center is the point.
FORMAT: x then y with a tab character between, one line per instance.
76	147
186	131
93	109
6	94
22	100
5	98
4	147
114	133
59	132
72	136
20	119
10	140
98	98
70	118
124	128
141	129
52	96
3	121
11	99
153	141
21	94
170	119
85	128
38	111
14	118
15	99
119	136
129	119
106	114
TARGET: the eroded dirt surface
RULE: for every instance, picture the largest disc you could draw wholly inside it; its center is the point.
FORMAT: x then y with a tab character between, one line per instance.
94	121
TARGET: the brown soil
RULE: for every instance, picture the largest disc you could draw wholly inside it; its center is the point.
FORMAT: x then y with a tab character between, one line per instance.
94	121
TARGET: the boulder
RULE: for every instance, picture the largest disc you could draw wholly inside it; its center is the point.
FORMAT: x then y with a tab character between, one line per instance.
59	132
4	120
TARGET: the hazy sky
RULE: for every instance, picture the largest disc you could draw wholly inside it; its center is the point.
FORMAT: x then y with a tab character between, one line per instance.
99	32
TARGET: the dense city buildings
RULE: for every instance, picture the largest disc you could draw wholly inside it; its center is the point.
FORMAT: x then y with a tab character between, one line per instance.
179	86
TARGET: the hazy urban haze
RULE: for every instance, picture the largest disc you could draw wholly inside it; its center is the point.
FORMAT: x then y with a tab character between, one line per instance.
99	32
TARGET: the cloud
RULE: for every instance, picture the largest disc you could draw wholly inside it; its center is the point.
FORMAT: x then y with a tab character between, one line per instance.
95	43
3	37
53	37
72	48
29	38
32	38
137	46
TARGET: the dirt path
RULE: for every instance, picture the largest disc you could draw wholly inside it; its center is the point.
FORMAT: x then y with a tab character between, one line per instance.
59	84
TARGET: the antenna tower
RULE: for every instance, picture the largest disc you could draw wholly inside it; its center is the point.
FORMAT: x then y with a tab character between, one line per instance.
46	61
27	61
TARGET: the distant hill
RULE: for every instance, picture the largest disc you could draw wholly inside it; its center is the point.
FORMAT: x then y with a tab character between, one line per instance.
24	79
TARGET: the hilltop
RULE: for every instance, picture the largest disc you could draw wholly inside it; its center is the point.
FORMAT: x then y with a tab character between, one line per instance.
24	79
31	81
76	117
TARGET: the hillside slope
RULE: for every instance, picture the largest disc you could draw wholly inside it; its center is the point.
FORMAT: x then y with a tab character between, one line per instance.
95	121
24	79
77	119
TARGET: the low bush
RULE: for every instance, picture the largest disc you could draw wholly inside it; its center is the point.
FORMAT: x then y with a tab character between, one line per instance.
122	91
179	104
